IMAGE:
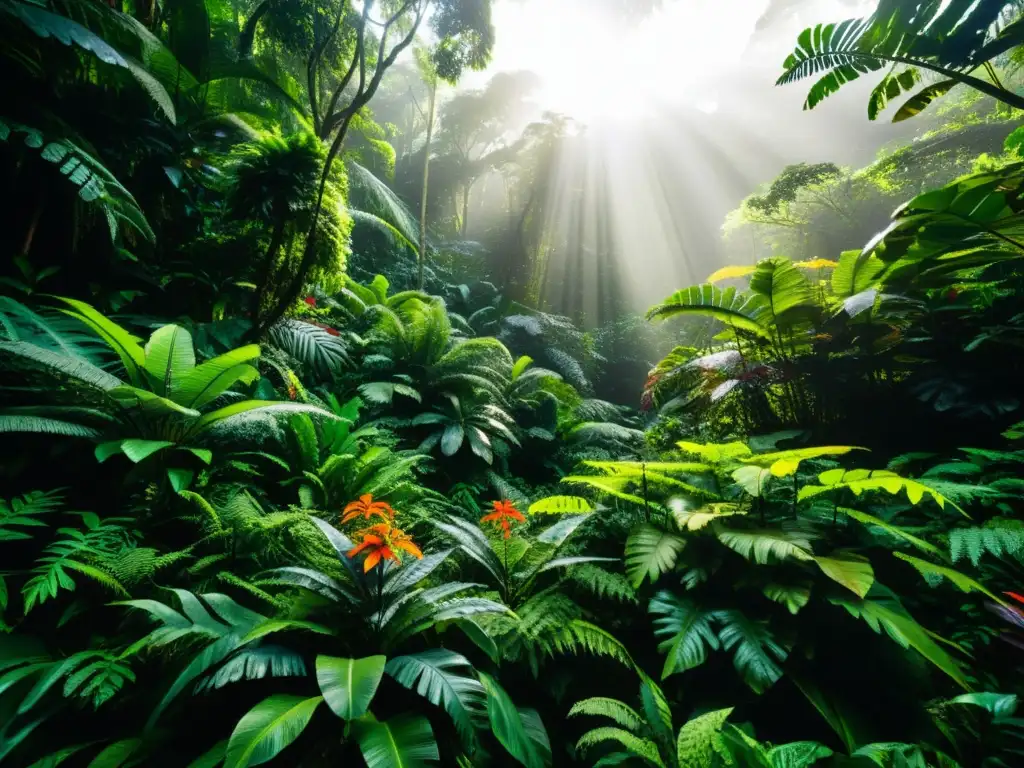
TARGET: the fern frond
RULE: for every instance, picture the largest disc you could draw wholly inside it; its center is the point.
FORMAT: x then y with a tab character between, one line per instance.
580	636
75	368
700	739
613	709
998	537
642	748
26	511
603	584
94	182
44	426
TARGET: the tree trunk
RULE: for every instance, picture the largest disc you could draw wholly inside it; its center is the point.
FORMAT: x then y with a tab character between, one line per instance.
267	269
426	174
465	208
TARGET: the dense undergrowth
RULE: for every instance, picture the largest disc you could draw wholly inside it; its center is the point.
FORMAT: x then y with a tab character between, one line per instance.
261	505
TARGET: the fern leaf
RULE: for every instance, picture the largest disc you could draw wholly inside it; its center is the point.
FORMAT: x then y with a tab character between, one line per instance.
603	584
580	636
43	425
642	748
998	537
700	739
613	709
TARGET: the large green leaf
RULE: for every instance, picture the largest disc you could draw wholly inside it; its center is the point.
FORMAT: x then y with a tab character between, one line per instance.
855	274
136	450
508	726
852	571
785	289
768	544
117	754
964	582
207	381
169	356
861	480
406	741
451	439
127	346
882	611
349	685
234	410
149	403
684	630
574	505
65	365
268	728
785	463
433	675
46	25
727	305
866	519
757	655
650	552
797	754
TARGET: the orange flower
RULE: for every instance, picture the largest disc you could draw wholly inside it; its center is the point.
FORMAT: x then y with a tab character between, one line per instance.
382	542
504	512
367	507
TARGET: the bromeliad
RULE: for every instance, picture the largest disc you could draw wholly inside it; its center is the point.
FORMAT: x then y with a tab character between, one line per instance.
366	507
383	542
503	515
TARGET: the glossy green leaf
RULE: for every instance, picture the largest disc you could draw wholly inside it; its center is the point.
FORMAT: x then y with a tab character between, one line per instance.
268	728
349	685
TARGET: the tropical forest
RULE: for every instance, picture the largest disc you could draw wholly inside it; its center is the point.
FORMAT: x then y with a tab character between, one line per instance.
512	383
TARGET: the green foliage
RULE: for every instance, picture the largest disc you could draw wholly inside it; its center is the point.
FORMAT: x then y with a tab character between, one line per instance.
349	685
228	333
268	728
404	742
94	183
650	552
728	306
934	37
432	674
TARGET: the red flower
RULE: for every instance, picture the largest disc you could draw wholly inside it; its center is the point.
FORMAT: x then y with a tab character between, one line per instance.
382	542
311	300
951	294
332	331
366	507
504	512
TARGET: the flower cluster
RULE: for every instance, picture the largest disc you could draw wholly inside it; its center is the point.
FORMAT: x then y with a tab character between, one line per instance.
503	515
380	541
384	542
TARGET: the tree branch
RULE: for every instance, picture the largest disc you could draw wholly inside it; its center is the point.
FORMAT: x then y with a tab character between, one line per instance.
329	116
313	66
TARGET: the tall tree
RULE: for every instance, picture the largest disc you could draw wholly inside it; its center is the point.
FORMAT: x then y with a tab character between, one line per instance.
349	50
